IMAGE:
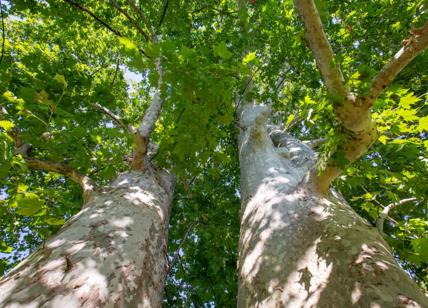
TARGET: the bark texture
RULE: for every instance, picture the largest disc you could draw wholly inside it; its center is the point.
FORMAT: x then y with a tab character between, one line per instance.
299	248
111	254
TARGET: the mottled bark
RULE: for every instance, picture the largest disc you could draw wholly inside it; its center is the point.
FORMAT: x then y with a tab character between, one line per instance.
300	248
111	254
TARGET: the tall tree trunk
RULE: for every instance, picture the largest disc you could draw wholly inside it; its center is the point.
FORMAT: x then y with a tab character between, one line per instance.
299	248
112	253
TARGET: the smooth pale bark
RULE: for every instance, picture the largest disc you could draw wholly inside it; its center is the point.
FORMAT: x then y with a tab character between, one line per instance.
111	254
299	248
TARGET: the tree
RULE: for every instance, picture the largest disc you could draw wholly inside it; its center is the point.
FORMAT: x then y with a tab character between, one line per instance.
217	69
112	252
299	245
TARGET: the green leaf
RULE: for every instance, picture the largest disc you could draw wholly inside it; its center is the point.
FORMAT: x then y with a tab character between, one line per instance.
420	247
7	125
423	124
249	57
407	101
222	51
60	79
383	139
28	204
55	221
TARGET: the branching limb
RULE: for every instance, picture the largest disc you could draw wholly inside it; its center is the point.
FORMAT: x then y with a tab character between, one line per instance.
412	46
115	118
355	114
142	136
387	209
321	48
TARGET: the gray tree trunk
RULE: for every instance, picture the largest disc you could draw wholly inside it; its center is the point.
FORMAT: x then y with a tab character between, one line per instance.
299	248
111	254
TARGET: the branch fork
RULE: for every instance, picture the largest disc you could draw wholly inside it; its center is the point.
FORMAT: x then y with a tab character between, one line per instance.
353	112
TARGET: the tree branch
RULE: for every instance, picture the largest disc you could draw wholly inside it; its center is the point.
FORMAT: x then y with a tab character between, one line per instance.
387	209
3	35
354	113
84	181
131	20
355	118
321	48
115	118
315	143
412	46
177	251
115	73
87	11
165	8
142	136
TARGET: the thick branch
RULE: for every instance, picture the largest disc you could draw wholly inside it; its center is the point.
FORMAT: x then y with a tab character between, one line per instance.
354	117
355	146
24	148
354	113
315	143
321	48
387	209
142	137
412	46
84	181
115	118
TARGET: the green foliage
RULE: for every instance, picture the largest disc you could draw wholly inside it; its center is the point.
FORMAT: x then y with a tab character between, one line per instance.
58	62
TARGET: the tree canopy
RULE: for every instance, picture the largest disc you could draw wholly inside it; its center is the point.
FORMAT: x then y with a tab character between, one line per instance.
68	88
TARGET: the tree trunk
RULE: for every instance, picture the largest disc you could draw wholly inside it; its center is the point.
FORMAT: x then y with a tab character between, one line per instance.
299	248
112	253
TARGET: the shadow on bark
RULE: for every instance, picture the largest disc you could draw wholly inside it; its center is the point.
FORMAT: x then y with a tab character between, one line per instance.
300	249
110	253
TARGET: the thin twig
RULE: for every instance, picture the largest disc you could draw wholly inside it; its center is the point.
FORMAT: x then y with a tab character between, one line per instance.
143	18
131	20
3	33
177	251
84	9
102	22
115	73
115	118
